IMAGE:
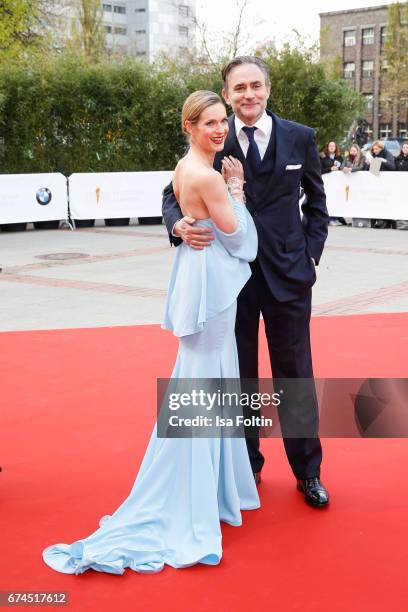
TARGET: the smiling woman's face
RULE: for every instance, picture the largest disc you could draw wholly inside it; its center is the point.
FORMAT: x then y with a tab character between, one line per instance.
211	129
247	92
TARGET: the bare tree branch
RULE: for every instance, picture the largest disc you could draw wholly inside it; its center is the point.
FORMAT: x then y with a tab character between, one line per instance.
236	35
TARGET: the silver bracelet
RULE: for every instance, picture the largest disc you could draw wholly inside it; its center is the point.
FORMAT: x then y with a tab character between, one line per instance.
238	194
235	187
235	183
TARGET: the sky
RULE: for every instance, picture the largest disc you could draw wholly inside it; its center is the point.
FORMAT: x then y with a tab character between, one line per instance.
265	20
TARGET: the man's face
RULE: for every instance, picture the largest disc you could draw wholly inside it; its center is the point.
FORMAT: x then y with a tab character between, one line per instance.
246	92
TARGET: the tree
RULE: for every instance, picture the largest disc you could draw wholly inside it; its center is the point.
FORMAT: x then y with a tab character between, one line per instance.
17	18
395	76
304	90
27	27
226	44
88	34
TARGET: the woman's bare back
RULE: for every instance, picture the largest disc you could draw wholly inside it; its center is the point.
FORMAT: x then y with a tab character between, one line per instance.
188	174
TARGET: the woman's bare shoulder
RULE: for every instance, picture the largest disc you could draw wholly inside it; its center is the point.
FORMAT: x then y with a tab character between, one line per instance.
179	167
209	178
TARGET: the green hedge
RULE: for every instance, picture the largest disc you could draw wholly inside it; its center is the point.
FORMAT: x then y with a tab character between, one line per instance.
69	115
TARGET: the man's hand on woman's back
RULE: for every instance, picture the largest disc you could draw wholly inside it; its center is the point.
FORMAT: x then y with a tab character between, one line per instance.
197	237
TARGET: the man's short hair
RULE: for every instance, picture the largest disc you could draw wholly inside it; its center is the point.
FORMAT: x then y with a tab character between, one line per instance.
240	61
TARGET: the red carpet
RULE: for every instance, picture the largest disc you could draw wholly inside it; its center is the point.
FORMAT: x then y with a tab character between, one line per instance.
77	410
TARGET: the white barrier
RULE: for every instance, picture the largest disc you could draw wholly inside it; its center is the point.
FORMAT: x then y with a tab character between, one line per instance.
33	197
43	197
109	195
364	195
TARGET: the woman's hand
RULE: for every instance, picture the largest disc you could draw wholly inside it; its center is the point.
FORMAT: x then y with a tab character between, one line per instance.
232	167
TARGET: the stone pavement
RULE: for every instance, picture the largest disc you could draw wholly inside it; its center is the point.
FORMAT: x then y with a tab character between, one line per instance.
105	276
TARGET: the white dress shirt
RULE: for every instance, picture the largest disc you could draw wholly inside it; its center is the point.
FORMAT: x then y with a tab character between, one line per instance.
262	134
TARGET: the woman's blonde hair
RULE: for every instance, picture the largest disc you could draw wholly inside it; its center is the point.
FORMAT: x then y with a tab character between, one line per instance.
357	159
195	104
377	143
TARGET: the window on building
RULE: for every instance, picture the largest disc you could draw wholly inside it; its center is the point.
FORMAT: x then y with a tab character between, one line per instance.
141	10
119	30
140	31
183	31
402	130
119	9
108	29
349	70
385	130
368	36
349	38
384	65
368	68
140	53
184	10
369	100
369	130
107	8
383	34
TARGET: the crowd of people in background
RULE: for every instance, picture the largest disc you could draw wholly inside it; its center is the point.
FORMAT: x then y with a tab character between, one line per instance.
354	160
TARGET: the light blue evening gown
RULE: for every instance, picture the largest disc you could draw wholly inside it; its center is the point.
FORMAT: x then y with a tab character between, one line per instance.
185	486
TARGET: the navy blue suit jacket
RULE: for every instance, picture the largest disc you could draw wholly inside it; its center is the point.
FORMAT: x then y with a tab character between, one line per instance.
287	242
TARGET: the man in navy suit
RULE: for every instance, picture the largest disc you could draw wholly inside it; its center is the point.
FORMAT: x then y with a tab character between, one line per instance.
278	157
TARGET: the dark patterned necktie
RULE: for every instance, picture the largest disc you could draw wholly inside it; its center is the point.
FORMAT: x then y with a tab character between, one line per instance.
253	156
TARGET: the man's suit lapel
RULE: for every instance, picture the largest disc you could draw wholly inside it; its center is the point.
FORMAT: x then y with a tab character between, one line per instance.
284	143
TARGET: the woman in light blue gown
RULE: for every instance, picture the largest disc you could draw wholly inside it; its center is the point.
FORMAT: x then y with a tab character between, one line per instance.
186	486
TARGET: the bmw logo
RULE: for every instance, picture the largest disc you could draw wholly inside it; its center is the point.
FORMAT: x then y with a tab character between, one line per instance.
43	196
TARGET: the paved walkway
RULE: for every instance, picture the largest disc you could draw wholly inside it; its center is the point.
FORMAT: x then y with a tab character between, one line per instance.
118	276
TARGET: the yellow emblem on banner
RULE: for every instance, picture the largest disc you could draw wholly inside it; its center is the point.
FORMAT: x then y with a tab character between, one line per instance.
347	190
98	193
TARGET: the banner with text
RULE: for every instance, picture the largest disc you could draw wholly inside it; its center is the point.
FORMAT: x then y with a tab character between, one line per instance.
364	195
111	195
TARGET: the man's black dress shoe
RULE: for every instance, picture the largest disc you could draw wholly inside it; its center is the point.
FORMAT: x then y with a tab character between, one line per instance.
257	476
315	493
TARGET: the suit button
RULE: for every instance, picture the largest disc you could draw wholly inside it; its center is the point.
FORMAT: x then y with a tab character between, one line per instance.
255	214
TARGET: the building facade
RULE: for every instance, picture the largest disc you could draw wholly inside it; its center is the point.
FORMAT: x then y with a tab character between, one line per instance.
146	28
356	38
138	28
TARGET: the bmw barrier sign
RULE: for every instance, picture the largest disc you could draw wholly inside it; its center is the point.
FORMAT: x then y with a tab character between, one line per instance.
43	196
26	198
